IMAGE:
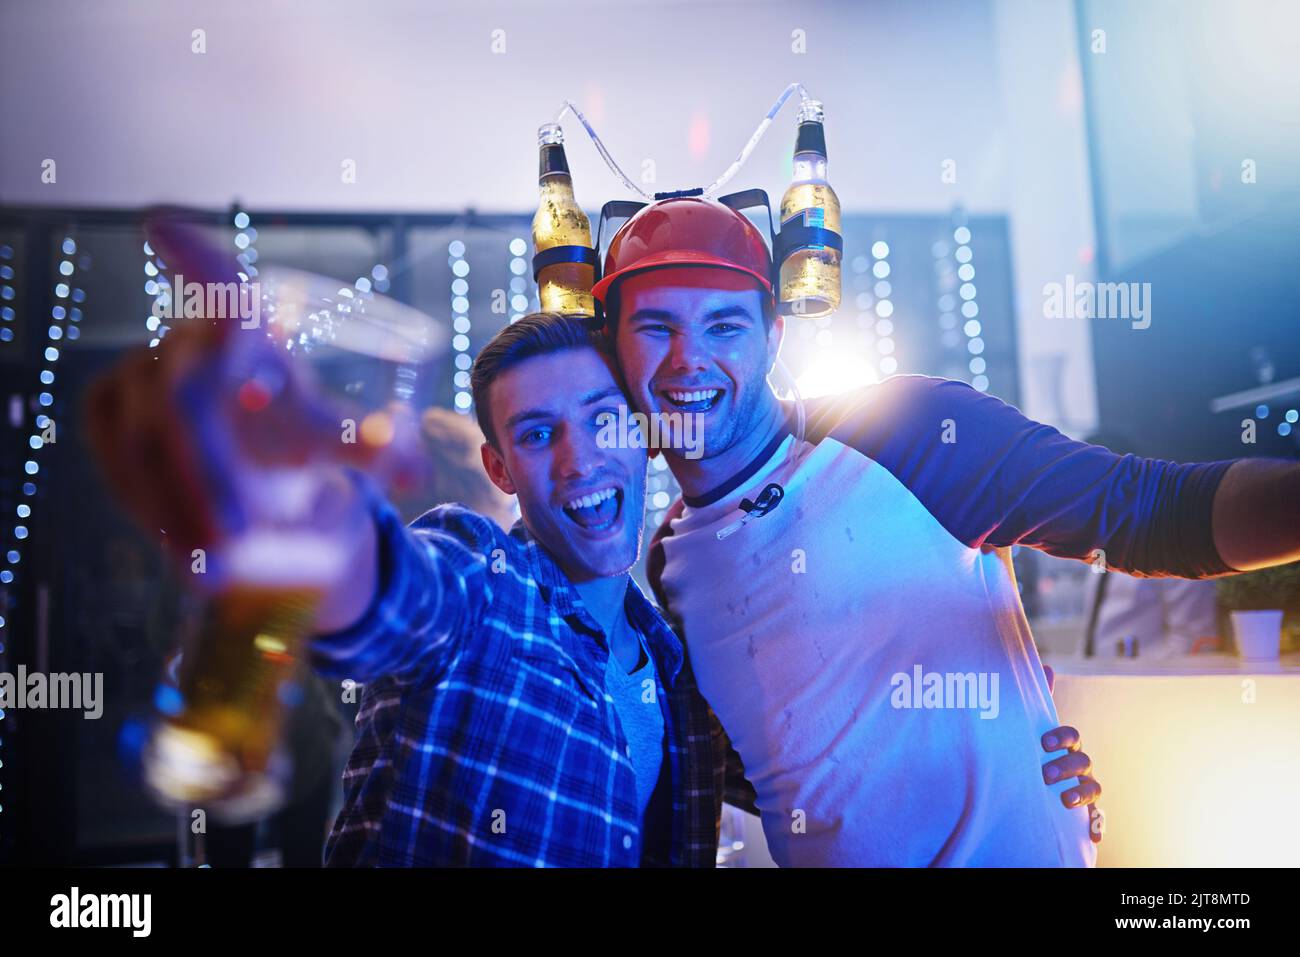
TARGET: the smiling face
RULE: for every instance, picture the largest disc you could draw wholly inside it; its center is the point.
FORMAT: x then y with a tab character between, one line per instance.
693	339
583	503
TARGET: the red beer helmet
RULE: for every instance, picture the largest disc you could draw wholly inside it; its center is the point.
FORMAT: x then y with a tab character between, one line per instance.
685	231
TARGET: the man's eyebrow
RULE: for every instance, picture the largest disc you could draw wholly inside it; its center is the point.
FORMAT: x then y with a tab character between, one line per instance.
729	312
646	315
661	315
595	395
527	415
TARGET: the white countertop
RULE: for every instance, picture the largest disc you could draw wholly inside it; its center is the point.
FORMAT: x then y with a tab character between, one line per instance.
1191	665
1198	757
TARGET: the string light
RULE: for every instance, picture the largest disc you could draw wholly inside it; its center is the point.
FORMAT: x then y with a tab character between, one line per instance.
865	302
880	269
460	321
518	280
67	308
8	292
407	373
7	296
157	285
968	307
957	300
245	240
659	491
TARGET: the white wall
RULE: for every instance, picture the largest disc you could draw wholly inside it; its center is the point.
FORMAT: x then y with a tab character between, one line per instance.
435	120
1045	164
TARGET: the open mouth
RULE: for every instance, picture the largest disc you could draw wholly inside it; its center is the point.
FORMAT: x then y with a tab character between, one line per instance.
596	511
692	400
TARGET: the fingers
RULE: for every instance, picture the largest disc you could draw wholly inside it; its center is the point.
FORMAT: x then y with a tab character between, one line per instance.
1073	765
121	431
275	411
1064	738
1087	791
187	252
186	433
143	451
104	414
1051	678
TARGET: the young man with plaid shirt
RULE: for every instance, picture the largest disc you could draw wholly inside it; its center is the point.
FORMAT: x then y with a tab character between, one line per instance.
525	704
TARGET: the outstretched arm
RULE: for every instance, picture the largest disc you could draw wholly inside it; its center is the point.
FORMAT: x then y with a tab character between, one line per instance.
994	477
1257	514
428	588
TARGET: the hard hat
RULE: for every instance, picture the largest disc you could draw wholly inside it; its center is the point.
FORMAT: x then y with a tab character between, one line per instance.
685	231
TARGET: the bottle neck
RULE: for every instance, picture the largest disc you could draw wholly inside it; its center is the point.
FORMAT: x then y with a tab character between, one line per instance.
810	138
551	160
556	183
809	166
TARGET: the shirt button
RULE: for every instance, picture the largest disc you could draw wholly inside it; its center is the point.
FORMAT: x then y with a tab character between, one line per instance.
627	842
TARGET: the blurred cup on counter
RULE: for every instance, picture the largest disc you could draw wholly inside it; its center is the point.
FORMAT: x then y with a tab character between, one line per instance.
1258	634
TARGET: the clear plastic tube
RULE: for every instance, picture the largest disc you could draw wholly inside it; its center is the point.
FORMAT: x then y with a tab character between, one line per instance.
718	183
734	168
600	147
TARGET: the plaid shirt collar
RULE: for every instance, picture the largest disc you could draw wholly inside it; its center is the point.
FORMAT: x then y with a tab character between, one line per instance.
558	591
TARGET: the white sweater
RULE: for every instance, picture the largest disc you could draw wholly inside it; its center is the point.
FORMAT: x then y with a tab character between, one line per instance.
808	628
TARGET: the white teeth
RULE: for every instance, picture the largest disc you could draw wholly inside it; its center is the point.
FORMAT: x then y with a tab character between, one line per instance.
700	395
592	500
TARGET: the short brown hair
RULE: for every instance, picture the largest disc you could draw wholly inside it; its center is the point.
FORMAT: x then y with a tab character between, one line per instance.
537	334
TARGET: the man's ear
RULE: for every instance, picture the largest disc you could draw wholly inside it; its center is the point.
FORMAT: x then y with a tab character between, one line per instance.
495	467
775	336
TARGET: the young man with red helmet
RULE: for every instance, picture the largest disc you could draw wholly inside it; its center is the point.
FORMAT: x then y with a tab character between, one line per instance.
847	594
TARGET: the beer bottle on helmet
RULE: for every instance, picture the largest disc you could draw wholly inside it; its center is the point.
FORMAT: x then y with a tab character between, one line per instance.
564	260
809	245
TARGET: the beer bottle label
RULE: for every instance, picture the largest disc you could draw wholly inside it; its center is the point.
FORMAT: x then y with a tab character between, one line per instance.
813	216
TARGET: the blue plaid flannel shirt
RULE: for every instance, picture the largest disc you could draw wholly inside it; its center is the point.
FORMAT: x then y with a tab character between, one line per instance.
484	733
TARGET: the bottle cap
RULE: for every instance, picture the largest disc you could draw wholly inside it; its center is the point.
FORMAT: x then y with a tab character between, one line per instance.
811	136
551	159
810	111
